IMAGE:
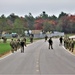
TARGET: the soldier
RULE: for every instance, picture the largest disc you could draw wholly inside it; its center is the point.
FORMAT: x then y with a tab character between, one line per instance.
4	39
22	46
69	44
12	45
60	40
24	39
18	43
50	43
15	45
31	38
46	38
64	41
72	45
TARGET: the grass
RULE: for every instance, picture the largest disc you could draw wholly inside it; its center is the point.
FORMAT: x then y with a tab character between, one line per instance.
69	35
4	47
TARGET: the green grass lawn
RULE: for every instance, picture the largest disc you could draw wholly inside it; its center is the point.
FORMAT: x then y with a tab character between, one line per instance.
68	35
4	47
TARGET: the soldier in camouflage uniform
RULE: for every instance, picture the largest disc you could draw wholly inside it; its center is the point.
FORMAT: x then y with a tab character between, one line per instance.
12	45
72	45
64	42
22	46
24	39
15	45
31	38
69	43
18	43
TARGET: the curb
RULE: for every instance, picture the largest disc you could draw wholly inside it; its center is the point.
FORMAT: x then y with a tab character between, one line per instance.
68	51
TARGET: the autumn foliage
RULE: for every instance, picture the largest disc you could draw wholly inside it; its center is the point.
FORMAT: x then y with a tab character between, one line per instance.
64	23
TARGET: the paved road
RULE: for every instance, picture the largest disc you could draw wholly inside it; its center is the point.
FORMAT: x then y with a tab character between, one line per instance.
39	60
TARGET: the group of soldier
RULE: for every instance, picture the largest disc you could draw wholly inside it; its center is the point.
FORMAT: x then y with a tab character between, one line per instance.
69	43
16	44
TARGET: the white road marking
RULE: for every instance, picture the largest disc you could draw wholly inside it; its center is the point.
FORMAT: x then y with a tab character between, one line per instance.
10	54
37	70
68	51
37	62
5	56
37	65
37	59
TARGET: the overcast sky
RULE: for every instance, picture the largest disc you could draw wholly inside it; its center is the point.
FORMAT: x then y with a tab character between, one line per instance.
36	7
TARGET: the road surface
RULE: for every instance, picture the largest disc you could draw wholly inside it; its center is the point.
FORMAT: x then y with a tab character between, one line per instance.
39	60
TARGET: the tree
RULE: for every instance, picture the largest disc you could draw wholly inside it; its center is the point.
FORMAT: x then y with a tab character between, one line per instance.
12	17
30	21
3	23
71	22
19	26
44	15
59	26
52	17
48	26
39	24
62	14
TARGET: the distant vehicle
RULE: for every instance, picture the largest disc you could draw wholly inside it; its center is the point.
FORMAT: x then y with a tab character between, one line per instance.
14	35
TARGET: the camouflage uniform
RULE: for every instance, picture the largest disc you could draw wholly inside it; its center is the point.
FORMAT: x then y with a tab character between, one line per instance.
15	45
24	39
12	45
64	42
72	45
31	38
67	43
22	46
18	43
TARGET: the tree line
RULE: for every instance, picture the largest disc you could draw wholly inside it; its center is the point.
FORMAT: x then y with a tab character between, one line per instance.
13	23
